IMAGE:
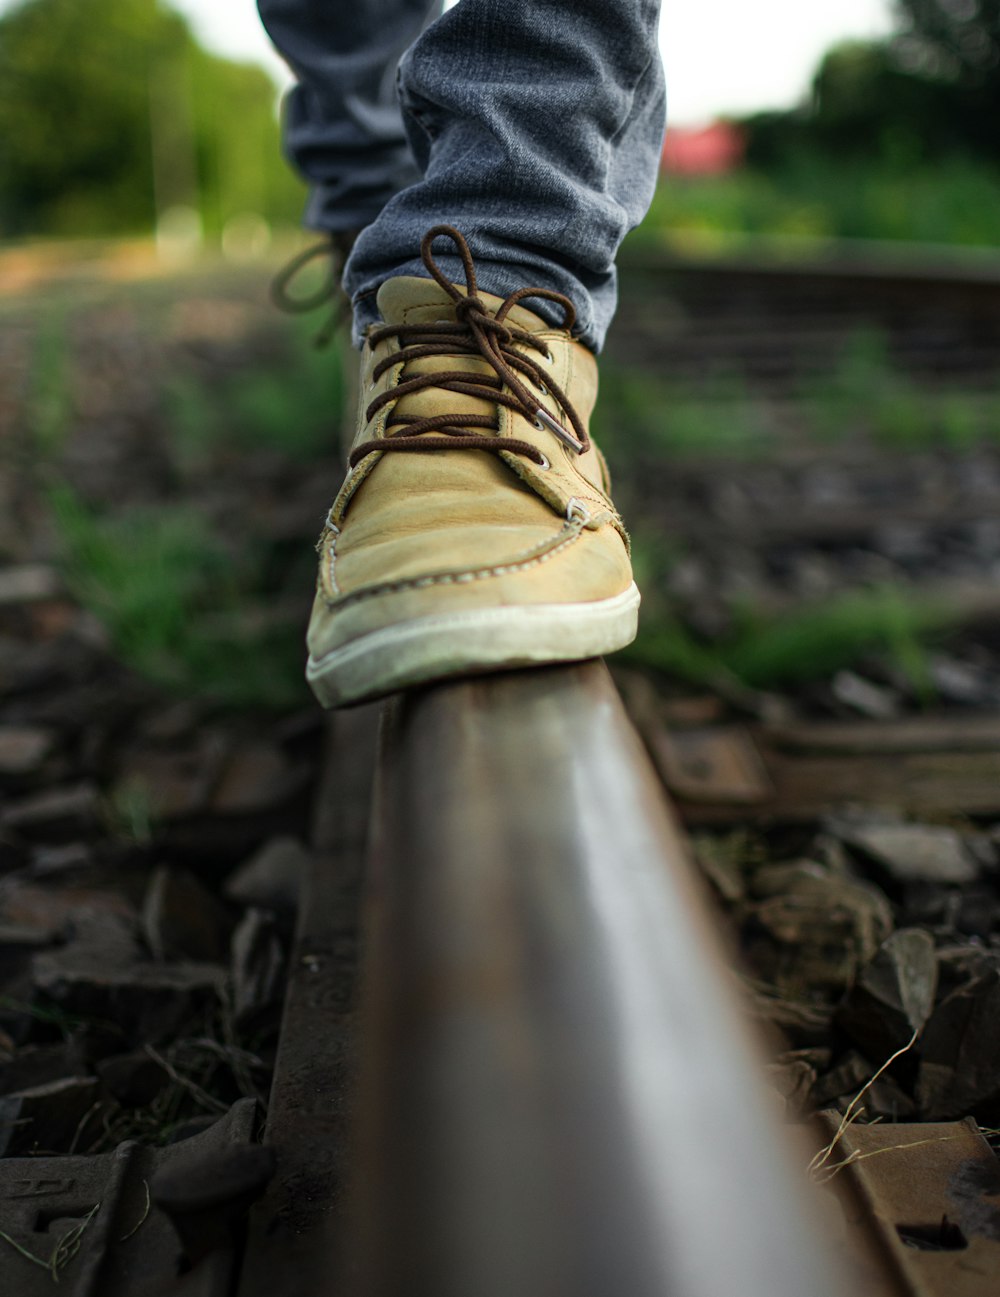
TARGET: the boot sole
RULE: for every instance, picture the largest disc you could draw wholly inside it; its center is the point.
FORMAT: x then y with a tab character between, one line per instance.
467	643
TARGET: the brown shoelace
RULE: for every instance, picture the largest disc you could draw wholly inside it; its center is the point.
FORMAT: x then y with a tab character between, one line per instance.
476	332
333	251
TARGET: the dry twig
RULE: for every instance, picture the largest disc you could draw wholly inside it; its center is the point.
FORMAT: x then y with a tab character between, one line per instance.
819	1162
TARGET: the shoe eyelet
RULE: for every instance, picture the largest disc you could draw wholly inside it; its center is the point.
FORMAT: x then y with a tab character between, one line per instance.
548	357
537	423
543	389
544	465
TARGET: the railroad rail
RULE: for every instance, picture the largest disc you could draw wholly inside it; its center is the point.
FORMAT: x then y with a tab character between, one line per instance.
548	1098
777	311
557	1092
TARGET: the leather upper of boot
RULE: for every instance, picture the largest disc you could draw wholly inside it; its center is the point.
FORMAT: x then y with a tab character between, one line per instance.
411	532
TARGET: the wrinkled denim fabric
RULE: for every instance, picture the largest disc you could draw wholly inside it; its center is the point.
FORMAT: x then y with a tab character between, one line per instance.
533	126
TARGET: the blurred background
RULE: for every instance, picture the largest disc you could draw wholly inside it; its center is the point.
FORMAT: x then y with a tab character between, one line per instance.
124	117
808	332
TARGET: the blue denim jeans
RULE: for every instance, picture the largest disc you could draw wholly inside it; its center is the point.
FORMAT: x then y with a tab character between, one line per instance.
533	126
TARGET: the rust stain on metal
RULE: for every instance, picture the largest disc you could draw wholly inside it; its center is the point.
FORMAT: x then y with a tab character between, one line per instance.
794	776
717	764
309	1116
922	1202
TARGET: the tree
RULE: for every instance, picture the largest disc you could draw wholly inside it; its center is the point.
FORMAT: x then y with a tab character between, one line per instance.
957	40
74	111
110	112
903	101
865	104
957	44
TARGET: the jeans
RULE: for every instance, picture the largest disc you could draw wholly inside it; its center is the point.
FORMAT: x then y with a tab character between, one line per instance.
533	126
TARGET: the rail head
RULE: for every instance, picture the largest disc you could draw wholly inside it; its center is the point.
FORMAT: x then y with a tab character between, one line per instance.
558	1093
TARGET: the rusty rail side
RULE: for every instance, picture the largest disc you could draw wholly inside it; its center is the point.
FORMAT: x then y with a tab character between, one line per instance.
557	1096
309	1111
778	259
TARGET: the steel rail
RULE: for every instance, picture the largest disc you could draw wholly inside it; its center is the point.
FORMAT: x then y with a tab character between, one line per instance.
558	1095
309	1115
777	259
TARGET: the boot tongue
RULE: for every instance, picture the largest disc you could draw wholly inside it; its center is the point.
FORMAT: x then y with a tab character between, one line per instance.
415	300
411	299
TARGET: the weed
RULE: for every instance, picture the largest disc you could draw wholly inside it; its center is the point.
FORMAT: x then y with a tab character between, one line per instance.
862	395
962	425
147	1205
162	583
814	642
807	644
295	413
48	411
192	417
202	1076
839	401
865	395
664	644
130	811
956	202
680	420
294	407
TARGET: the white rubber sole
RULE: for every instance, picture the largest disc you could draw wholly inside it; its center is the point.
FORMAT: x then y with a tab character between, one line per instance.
467	643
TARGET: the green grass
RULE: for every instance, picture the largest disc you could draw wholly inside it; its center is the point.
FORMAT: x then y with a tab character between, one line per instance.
862	395
184	606
171	596
294	407
814	642
678	420
807	644
49	407
956	202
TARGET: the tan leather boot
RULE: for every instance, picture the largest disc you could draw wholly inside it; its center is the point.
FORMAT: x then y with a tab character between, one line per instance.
474	531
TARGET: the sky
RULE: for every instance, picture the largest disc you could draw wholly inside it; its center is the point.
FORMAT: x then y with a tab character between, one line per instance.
722	56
